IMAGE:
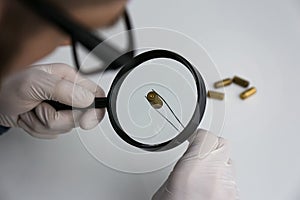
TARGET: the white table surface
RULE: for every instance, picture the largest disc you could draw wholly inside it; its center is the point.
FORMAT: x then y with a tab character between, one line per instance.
259	40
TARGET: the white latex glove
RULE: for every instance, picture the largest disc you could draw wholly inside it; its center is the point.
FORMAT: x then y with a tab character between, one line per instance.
22	96
205	172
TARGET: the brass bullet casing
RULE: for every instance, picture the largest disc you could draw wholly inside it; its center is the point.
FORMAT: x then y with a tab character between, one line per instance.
215	95
248	93
154	100
241	82
223	83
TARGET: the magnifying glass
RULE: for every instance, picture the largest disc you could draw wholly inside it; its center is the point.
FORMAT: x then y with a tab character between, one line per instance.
153	99
152	106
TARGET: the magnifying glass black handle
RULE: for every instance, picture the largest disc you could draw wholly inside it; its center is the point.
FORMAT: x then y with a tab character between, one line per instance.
98	103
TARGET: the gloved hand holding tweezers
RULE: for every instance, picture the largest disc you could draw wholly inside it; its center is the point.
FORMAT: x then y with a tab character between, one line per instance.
205	172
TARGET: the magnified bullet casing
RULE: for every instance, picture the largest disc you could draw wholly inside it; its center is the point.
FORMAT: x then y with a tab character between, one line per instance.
154	100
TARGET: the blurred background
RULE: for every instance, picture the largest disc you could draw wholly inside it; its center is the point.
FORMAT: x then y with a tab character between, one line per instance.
258	40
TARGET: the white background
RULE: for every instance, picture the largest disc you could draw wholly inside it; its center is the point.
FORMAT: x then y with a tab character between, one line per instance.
259	40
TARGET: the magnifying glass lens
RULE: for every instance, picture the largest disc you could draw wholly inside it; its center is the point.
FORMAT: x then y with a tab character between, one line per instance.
156	101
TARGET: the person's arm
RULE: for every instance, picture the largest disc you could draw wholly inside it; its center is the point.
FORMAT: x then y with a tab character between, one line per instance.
3	129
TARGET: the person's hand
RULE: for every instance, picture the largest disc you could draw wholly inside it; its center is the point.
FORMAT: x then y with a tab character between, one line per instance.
205	172
22	96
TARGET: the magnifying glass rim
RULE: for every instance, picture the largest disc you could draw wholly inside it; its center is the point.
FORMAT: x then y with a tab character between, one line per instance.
193	123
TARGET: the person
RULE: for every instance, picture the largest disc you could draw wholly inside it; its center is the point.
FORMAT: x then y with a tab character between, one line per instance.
204	172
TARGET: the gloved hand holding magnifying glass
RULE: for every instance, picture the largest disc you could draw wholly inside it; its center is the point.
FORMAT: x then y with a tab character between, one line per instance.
22	96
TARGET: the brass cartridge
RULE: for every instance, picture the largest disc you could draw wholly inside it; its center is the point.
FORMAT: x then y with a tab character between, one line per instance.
154	99
248	93
241	82
223	83
215	95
